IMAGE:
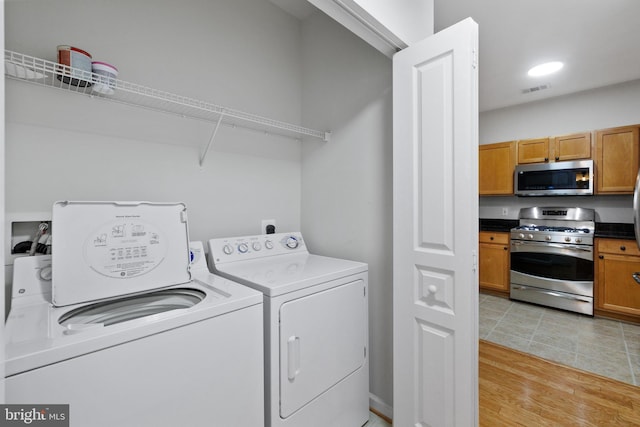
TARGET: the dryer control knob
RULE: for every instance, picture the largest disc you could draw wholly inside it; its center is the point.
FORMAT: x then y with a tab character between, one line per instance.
227	249
292	242
256	246
243	248
45	273
268	244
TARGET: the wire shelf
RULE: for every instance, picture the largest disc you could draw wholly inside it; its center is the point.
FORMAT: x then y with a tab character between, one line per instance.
52	74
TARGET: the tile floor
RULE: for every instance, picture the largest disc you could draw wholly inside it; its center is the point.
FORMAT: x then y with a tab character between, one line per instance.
606	347
376	421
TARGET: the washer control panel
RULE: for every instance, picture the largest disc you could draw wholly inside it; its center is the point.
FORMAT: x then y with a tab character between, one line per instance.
258	246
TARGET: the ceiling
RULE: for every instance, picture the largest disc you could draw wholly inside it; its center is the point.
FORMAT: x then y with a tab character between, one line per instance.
598	40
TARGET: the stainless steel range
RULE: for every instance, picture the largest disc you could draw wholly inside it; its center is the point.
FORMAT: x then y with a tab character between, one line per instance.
552	258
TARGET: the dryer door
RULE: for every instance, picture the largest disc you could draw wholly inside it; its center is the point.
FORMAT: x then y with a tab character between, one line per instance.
322	341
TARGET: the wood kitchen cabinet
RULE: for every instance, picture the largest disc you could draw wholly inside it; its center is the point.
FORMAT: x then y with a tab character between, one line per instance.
616	162
617	294
533	150
575	146
494	262
496	165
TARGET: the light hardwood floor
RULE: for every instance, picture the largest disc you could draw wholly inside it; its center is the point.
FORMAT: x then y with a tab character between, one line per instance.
518	389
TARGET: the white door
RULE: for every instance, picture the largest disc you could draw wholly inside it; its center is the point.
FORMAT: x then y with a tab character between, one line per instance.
435	191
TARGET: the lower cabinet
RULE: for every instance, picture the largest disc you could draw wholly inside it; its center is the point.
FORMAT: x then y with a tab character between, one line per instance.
494	262
617	294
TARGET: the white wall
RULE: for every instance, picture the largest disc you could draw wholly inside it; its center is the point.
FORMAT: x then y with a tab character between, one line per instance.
243	54
611	106
617	105
347	182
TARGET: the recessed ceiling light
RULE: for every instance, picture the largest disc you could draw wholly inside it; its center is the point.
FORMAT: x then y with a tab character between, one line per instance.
546	68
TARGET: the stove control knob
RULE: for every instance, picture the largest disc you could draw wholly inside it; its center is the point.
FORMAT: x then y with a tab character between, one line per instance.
530	236
521	235
268	244
243	248
256	246
227	249
578	239
547	238
567	239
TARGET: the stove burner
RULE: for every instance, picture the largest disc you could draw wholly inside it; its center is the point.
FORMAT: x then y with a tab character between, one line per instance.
553	229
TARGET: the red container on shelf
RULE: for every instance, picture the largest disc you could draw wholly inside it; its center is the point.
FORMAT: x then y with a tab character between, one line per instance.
77	59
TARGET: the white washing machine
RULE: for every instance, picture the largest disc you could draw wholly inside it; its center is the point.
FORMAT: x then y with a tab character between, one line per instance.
316	328
121	325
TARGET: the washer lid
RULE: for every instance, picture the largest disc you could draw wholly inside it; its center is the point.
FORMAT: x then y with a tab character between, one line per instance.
108	249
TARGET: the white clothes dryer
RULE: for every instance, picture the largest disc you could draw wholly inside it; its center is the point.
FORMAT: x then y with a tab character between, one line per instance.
172	346
316	327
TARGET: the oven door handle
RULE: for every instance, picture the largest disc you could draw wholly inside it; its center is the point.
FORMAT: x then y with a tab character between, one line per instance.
553	245
636	276
551	293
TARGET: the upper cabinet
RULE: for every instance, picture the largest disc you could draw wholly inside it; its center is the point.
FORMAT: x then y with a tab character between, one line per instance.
533	150
576	146
557	149
617	159
496	165
615	151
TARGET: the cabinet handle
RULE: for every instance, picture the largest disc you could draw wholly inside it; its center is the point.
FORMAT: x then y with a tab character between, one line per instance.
636	277
491	238
601	256
557	158
623	248
546	159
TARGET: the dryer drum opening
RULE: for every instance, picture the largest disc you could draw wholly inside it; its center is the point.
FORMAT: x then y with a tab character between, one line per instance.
133	307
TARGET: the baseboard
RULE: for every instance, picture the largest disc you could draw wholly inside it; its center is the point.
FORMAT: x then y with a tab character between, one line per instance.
380	408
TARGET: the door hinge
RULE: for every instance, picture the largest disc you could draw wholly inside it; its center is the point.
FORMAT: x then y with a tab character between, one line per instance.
474	266
474	61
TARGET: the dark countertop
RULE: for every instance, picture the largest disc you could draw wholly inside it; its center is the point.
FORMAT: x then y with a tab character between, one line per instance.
610	230
498	225
614	230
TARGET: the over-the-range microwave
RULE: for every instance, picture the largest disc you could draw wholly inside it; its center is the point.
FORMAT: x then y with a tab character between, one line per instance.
574	178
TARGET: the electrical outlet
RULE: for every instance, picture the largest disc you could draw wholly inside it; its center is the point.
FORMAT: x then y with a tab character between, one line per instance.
265	222
505	211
